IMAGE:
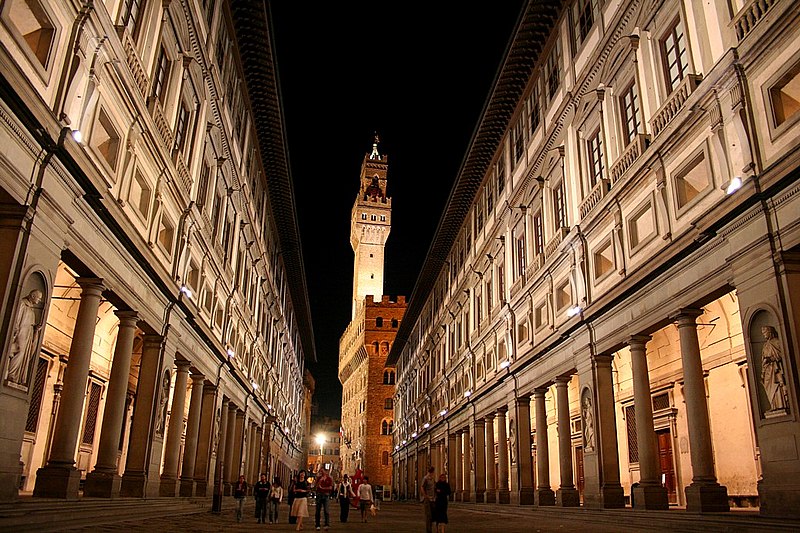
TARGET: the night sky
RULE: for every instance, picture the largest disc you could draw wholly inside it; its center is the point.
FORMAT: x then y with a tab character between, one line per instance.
417	73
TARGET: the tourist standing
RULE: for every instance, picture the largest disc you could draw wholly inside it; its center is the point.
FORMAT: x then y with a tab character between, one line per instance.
300	504
240	492
324	489
365	497
427	496
261	492
275	499
345	493
290	499
442	490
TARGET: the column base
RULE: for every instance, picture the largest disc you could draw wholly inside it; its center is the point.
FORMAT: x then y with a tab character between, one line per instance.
503	496
168	487
527	496
707	498
779	500
650	497
545	497
477	496
466	497
490	496
226	491
9	485
609	497
568	497
135	485
201	488
187	487
102	484
57	482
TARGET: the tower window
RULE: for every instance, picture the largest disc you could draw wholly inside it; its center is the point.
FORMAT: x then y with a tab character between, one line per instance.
379	322
370	255
363	216
383	218
373	218
372	276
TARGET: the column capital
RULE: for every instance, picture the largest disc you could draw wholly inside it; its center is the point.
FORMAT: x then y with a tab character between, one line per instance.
501	411
232	406
240	414
91	286
225	401
603	359
152	340
489	417
562	381
127	319
209	387
197	379
522	400
183	365
478	421
539	392
686	316
639	340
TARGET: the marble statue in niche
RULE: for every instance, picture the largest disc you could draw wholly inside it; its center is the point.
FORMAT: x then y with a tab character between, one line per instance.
511	442
25	332
773	376
588	421
162	405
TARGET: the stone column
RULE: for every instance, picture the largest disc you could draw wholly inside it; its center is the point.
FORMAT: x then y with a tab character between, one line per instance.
222	452
104	481
491	473
523	444
230	438
503	494
238	448
169	477
705	493
611	493
452	461
192	433
266	444
252	461
135	478
205	440
650	494
467	467
567	493
458	486
544	494
480	452
258	462
59	478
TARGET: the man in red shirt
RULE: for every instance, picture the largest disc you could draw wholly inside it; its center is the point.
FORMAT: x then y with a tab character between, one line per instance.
324	488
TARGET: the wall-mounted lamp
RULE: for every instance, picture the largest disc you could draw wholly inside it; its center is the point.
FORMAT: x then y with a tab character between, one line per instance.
467	393
426	425
77	136
505	364
443	412
733	185
186	290
230	352
574	310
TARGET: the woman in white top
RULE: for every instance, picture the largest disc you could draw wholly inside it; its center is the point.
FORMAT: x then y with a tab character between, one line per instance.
275	498
345	493
365	497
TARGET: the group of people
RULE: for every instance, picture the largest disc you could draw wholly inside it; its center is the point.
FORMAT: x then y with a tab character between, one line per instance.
268	496
435	495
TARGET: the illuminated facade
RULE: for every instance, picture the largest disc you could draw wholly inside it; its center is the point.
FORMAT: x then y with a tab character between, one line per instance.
153	337
616	312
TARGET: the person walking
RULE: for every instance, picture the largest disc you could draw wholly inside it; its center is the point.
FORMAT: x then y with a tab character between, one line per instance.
442	489
290	499
365	498
427	496
324	489
345	493
300	504
240	492
275	499
261	492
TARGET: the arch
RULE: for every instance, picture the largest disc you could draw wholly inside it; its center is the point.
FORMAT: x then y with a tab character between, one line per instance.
395	323
379	322
387	426
388	377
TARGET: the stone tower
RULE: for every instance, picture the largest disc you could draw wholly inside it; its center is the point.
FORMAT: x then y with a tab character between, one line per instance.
370	223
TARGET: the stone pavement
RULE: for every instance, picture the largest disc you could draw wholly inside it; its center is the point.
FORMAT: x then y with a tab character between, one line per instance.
400	517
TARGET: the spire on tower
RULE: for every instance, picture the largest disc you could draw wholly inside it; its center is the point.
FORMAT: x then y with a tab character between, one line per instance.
375	154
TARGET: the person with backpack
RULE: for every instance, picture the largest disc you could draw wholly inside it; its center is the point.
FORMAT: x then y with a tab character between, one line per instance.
261	492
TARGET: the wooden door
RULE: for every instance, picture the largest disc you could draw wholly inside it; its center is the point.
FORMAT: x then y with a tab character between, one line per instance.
579	474
665	460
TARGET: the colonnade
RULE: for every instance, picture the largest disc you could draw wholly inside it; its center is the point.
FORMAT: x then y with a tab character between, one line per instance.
476	477
218	431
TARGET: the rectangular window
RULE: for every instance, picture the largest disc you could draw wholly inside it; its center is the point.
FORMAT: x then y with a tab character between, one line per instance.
541	315
140	193
552	70
559	207
518	139
105	139
594	158
534	108
538	234
629	111
785	96
478	215
501	282
584	13
161	76
131	9
603	259
35	405
641	225
563	295
222	46
520	253
180	127
202	186
691	180
500	173
489	198
633	443
90	424
674	55
166	234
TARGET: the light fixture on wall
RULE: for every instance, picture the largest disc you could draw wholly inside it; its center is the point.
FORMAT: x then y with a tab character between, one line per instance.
186	290
414	435
230	352
467	393
574	310
443	412
77	136
505	364
733	185
426	425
